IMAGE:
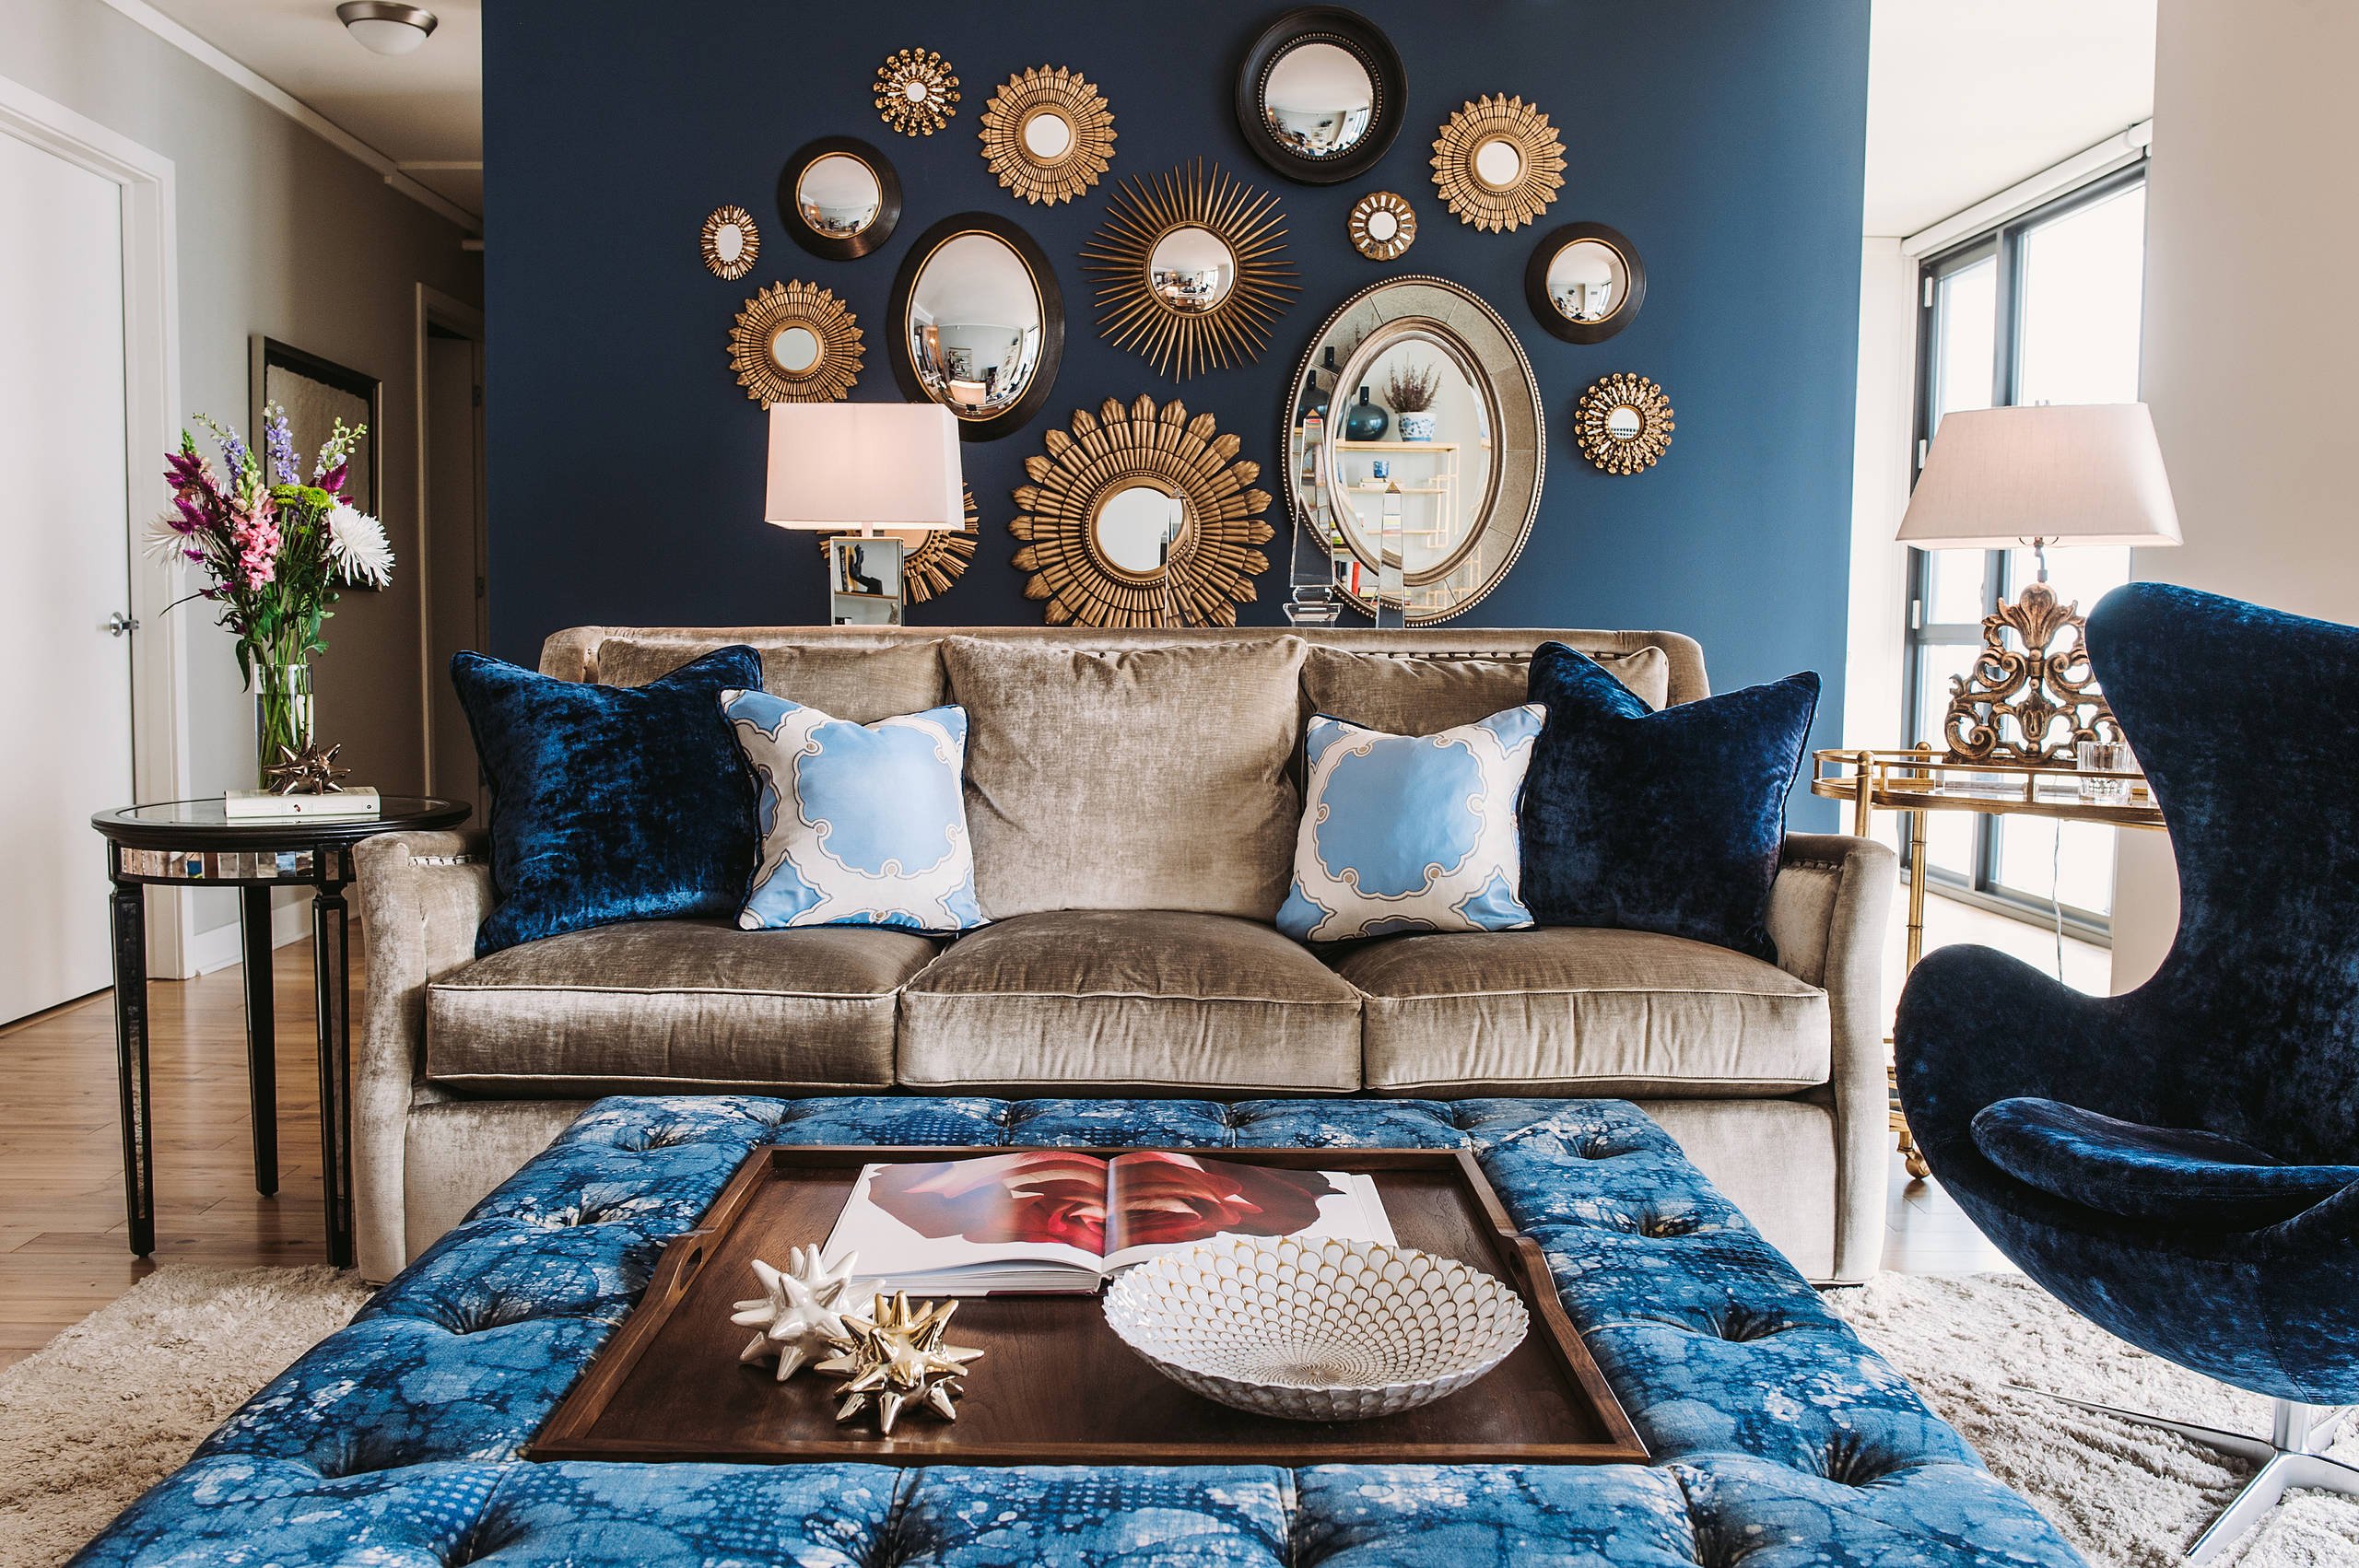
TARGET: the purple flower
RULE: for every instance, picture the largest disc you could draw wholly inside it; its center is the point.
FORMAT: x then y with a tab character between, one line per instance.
278	441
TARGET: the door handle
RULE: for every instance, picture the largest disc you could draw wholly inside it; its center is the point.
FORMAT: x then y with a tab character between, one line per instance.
118	624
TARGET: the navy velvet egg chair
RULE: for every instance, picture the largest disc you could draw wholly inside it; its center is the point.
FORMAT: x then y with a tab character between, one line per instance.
2181	1164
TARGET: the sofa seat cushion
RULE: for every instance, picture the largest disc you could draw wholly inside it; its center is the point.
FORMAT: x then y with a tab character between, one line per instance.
1577	1010
670	1006
1152	1001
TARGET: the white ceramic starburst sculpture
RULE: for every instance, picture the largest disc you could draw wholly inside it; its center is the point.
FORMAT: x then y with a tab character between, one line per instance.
802	1309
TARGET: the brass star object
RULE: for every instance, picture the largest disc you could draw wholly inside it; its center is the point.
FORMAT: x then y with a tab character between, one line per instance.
307	772
800	1310
917	92
898	1359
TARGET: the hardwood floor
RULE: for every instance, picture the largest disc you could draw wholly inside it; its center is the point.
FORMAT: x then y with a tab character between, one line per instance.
63	1248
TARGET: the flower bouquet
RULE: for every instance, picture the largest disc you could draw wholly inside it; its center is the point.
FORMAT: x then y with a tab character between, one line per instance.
276	549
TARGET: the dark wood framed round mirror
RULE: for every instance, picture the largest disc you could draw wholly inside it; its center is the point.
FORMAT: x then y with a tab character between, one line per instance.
1319	95
1585	282
838	197
977	324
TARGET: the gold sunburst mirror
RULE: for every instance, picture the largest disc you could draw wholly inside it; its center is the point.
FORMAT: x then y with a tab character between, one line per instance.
1622	423
795	343
931	559
1383	225
917	91
730	243
1047	135
1140	516
1192	276
1498	163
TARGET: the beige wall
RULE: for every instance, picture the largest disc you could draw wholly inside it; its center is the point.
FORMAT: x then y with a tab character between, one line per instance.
279	233
2249	348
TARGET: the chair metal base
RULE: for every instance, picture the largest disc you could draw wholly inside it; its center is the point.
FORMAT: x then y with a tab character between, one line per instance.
2288	1458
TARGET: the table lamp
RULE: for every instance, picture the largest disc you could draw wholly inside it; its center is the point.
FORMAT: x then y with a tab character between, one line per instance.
878	475
2063	474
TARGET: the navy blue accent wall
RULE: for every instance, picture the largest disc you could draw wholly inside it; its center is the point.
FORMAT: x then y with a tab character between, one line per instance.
1723	136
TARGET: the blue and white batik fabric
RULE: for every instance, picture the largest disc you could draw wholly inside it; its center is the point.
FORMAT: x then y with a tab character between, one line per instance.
862	824
1410	833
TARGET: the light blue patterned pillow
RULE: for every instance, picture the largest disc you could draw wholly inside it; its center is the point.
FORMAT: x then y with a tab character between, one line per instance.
1410	833
862	824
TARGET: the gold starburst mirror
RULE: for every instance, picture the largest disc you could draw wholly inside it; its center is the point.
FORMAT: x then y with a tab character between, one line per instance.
931	559
795	343
1192	276
730	243
917	92
1383	225
1622	423
1140	516
1498	163
1047	135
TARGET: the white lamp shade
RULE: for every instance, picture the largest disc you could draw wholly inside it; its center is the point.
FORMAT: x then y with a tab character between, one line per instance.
2083	473
840	467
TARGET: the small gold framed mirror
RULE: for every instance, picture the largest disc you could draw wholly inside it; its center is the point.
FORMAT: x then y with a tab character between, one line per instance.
1383	225
1047	135
1190	276
1140	516
730	243
917	91
1622	423
1498	163
795	343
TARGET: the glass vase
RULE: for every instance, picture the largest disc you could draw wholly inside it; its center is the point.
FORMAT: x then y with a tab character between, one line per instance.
282	694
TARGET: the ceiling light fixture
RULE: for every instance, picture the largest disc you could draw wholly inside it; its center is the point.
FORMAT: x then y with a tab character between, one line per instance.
385	27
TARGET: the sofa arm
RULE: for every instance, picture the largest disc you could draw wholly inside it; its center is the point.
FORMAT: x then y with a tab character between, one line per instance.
421	895
1829	913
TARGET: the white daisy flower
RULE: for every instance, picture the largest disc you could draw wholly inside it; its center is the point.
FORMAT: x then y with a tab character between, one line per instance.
356	545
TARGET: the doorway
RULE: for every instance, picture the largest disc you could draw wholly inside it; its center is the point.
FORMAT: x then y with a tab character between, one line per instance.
451	479
66	611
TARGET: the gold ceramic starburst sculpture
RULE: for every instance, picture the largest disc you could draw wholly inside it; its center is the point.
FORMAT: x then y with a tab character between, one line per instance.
896	1359
801	1309
310	771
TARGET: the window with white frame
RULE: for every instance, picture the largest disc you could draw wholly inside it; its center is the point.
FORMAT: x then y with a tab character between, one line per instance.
2042	310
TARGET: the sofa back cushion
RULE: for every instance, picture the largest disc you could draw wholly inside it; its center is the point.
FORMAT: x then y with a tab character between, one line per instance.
1423	693
1149	778
861	685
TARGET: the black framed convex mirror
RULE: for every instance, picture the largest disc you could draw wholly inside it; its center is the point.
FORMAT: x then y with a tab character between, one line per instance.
977	324
1319	95
840	197
1585	282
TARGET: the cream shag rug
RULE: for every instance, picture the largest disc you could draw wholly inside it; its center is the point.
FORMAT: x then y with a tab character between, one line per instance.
2127	1496
116	1402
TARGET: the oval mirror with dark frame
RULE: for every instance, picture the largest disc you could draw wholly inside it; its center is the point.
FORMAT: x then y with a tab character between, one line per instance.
1441	397
840	197
977	324
1319	95
1585	282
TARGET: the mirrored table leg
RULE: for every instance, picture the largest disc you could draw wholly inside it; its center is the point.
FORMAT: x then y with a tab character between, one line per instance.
331	958
129	910
261	1039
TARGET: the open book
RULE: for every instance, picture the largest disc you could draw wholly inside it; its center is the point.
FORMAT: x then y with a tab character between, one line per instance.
1060	1220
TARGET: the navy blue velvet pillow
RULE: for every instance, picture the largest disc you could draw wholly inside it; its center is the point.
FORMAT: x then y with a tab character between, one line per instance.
1665	822
610	803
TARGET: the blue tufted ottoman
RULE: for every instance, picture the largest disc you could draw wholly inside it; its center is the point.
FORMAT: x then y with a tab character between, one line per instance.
1780	1438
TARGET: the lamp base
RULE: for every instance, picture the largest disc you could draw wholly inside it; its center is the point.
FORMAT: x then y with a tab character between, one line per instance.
865	581
2008	706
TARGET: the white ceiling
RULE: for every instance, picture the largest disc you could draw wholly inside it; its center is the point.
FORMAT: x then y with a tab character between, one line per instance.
1967	97
421	108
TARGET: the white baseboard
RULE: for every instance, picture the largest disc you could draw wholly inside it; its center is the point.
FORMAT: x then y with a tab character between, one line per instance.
224	946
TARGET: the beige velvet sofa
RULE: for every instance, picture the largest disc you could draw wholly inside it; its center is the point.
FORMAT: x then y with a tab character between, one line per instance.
1133	802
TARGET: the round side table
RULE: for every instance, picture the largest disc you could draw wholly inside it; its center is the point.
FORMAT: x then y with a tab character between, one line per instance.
194	844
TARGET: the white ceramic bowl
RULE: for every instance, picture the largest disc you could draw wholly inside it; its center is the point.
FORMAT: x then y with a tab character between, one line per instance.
1315	1329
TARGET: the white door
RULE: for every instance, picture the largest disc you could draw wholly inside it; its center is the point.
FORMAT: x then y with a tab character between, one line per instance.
64	560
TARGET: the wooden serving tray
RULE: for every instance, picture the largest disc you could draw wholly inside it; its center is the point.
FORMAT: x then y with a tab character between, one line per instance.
1055	1386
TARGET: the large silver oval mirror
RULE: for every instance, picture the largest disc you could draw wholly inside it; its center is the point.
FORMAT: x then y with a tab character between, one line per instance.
1191	270
1319	101
838	195
1427	451
974	325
